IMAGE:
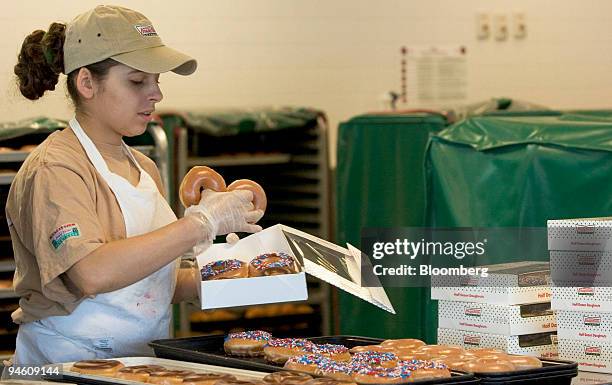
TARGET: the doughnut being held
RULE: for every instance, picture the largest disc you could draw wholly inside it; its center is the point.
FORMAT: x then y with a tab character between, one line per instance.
197	179
259	195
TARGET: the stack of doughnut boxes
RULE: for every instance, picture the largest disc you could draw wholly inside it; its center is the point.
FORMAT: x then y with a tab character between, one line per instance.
508	310
581	270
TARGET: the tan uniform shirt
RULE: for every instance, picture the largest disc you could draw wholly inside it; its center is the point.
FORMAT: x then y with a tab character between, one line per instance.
59	210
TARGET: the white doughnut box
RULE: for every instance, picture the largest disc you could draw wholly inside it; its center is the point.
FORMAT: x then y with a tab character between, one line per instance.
582	299
581	268
586	326
507	284
581	234
336	265
496	319
590	356
538	345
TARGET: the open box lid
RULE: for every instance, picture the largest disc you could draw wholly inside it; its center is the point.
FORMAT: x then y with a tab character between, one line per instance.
331	263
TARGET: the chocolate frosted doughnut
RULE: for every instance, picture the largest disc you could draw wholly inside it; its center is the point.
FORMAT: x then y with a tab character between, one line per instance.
286	378
272	264
169	377
197	179
206	378
138	372
230	268
97	367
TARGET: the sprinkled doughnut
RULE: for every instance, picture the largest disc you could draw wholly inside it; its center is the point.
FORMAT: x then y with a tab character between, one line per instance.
225	269
333	351
340	371
272	264
246	344
279	350
307	363
386	360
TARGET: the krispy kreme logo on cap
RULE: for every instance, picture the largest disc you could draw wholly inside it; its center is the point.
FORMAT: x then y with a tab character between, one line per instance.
585	230
592	351
146	30
586	291
471	340
473	311
592	321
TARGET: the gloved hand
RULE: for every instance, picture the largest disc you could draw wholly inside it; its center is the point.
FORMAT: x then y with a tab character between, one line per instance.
220	213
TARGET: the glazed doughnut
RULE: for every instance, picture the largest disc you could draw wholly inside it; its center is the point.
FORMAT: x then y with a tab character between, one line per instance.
278	378
97	367
488	365
487	353
307	363
453	362
197	179
448	351
225	269
246	344
272	264
524	362
371	348
206	378
28	147
279	350
259	195
138	372
406	343
169	377
332	351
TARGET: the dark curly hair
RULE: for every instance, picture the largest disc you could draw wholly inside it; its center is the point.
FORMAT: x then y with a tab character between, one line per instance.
41	61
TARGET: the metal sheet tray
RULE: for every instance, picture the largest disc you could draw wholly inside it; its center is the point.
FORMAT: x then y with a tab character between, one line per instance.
78	378
209	349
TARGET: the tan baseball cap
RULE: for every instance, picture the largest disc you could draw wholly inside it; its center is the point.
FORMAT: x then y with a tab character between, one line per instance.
127	36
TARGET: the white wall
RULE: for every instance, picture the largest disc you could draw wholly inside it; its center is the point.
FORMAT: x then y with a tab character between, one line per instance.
341	55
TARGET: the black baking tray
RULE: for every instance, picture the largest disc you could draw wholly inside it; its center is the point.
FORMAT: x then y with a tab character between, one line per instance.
209	350
552	372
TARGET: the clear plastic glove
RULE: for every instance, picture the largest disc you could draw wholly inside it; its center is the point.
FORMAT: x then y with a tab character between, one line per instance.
221	213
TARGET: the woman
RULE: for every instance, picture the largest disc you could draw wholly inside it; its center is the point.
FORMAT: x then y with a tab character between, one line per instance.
96	245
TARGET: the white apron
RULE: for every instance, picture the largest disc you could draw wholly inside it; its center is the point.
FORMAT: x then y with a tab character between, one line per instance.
119	323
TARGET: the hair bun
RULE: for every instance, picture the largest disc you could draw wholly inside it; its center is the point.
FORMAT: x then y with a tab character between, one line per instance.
40	61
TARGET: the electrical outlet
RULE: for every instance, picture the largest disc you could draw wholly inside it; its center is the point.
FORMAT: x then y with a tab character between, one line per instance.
519	25
483	26
500	27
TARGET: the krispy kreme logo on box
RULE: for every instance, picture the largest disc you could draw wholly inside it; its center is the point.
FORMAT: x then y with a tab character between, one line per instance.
471	340
473	311
585	230
592	321
586	291
586	260
592	351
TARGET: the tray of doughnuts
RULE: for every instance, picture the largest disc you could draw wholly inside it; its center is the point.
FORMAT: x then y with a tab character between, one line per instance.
489	366
152	370
258	350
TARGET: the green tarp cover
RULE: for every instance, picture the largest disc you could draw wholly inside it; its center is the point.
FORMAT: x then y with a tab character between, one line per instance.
380	182
38	125
230	122
519	171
